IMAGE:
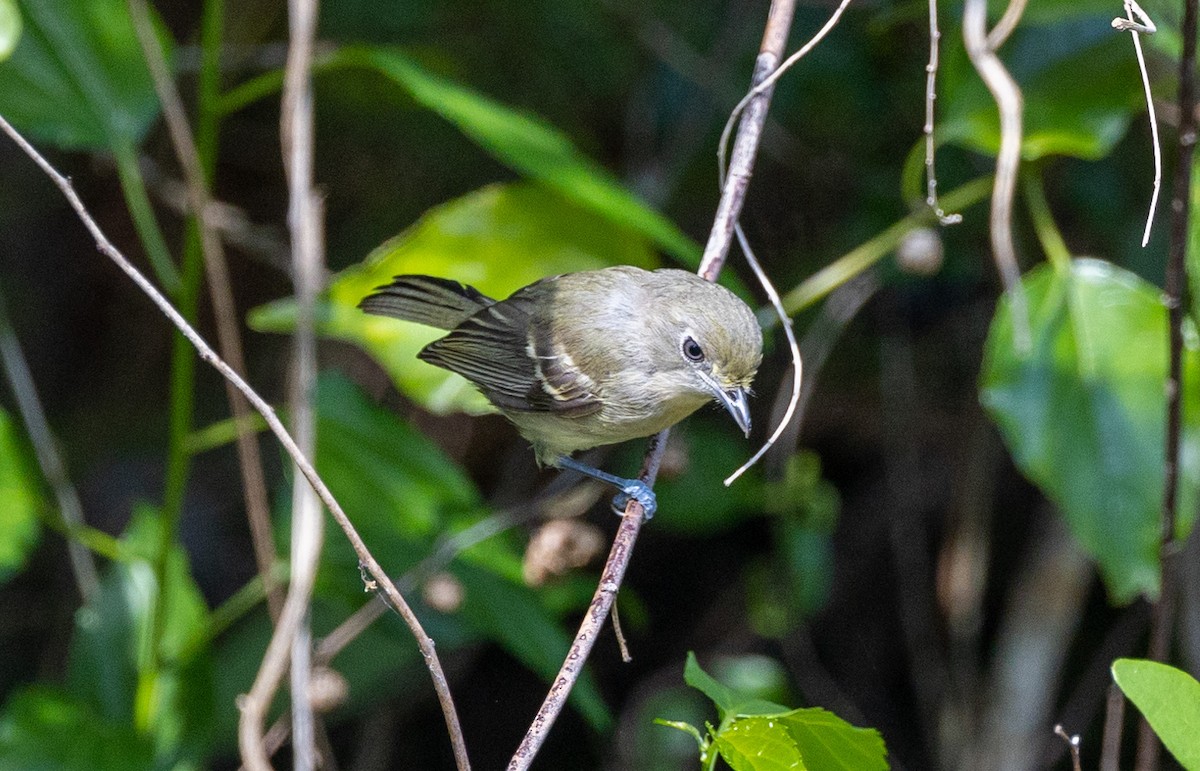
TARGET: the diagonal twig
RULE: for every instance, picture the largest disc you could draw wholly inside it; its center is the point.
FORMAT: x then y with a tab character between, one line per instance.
207	354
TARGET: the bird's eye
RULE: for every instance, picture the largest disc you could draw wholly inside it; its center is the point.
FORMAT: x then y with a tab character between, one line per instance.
692	350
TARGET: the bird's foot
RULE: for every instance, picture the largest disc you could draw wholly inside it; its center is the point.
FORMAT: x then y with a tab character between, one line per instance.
635	490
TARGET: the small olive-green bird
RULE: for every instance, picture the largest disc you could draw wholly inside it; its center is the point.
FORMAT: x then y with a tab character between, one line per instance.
591	358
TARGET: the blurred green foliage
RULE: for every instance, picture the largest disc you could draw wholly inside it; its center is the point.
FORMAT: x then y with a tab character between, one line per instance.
151	672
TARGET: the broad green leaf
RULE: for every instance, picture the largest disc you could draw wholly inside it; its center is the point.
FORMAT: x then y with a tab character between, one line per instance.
19	501
759	744
77	78
1068	109
46	730
1083	411
497	239
1169	698
10	27
528	145
109	662
828	743
729	703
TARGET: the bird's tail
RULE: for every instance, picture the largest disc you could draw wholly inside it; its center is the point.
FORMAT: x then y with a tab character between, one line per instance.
434	302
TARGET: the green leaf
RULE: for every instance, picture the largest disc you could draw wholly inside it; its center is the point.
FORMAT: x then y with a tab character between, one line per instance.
1083	411
498	239
10	27
1169	698
77	78
760	744
828	743
528	145
19	501
729	702
46	730
1068	110
109	664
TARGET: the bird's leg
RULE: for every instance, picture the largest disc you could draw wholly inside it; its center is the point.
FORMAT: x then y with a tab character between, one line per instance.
634	489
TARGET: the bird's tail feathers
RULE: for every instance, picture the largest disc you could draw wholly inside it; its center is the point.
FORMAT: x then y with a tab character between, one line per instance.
434	302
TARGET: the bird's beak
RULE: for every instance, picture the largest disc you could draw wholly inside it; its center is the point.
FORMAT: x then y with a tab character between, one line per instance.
735	401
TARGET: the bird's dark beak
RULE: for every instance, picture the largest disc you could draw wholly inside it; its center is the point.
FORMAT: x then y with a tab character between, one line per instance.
735	401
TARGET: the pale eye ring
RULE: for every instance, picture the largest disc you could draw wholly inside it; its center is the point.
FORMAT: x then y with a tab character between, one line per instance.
692	350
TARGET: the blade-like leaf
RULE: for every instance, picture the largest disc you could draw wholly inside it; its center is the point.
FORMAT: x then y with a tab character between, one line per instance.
1170	700
1083	411
528	145
729	702
19	501
497	239
77	78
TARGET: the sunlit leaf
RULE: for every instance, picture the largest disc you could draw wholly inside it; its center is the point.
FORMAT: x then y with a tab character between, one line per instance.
829	743
47	730
498	239
10	27
1169	698
1083	412
19	501
77	78
759	744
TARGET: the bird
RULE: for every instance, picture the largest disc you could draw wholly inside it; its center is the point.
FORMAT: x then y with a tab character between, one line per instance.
591	358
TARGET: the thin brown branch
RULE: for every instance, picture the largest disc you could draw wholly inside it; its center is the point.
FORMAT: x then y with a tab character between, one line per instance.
779	20
370	564
1072	742
229	341
1162	613
1114	723
931	69
745	147
1137	21
1010	103
593	619
45	447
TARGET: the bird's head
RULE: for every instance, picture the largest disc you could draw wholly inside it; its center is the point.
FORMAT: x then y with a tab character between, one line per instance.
709	341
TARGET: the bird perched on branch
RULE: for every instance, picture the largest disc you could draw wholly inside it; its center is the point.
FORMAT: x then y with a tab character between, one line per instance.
591	358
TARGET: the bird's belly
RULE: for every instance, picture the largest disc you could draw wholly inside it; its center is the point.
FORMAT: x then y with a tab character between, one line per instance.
554	435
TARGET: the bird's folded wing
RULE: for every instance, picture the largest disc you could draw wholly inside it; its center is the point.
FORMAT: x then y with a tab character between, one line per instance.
428	300
513	362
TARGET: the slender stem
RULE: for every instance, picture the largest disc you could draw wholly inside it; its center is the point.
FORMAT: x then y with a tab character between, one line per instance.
1010	103
867	254
1056	249
144	222
1162	612
45	446
370	564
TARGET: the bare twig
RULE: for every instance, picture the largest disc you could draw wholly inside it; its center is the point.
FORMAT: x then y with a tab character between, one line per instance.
1136	22
753	109
305	221
1010	104
593	620
210	356
1163	611
733	194
45	447
1072	742
1007	24
254	486
931	197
